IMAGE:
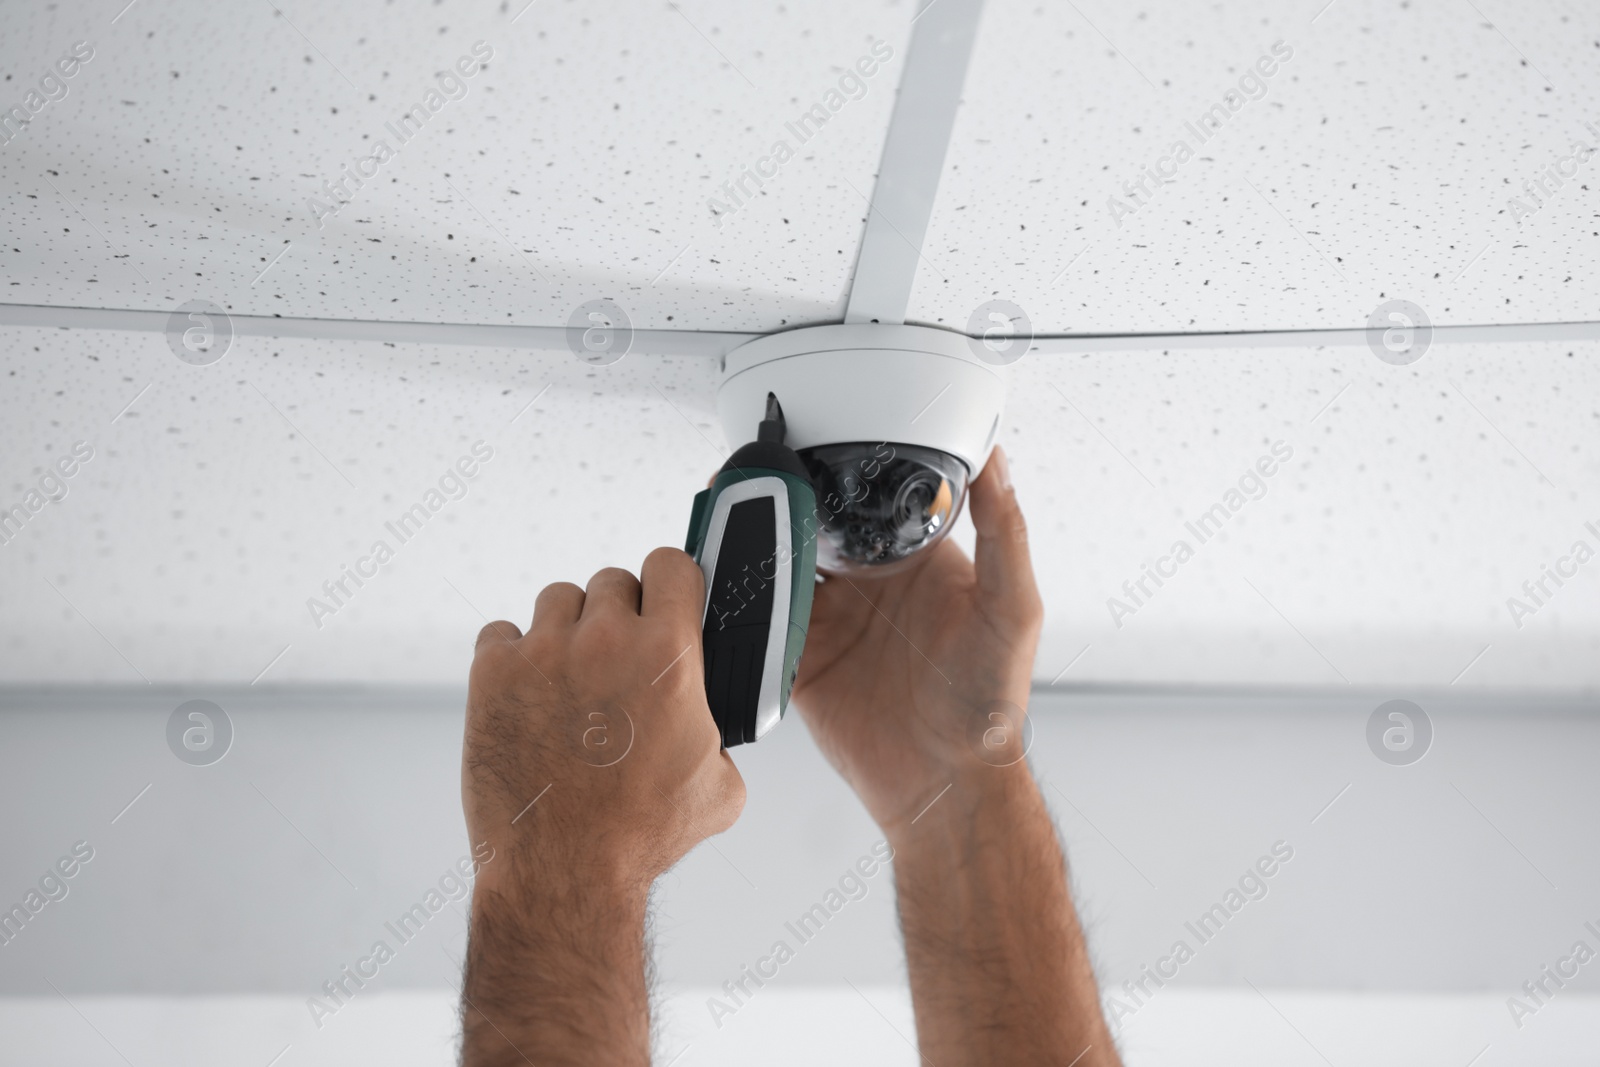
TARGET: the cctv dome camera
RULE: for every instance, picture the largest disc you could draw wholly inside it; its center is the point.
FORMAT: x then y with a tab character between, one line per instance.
891	422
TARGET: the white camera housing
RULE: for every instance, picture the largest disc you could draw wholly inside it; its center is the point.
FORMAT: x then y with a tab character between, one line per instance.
912	385
883	397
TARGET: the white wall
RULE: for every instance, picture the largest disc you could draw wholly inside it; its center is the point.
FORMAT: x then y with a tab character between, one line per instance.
1163	798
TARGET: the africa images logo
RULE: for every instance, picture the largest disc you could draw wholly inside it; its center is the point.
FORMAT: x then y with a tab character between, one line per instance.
52	88
199	333
199	732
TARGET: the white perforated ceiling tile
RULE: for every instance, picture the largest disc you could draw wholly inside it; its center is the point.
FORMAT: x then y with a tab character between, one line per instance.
1383	549
1406	514
1341	520
217	505
1378	160
579	161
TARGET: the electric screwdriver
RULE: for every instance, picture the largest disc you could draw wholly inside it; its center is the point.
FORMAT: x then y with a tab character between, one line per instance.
753	532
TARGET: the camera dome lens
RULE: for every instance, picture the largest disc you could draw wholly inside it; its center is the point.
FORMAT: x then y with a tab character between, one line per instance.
880	503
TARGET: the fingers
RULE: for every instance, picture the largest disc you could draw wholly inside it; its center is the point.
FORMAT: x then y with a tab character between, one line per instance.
674	587
499	630
560	603
1004	566
611	590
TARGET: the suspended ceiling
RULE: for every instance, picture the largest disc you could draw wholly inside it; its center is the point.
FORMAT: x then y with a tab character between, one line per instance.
1417	500
580	163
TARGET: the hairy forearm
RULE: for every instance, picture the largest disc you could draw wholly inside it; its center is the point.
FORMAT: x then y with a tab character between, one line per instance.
556	978
999	970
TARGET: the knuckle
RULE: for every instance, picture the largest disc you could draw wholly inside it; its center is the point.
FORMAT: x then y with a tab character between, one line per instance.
1017	526
505	660
496	634
675	566
543	646
678	689
495	664
613	574
667	641
605	635
672	559
663	555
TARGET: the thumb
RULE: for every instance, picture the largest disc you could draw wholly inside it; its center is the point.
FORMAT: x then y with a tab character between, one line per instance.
1004	566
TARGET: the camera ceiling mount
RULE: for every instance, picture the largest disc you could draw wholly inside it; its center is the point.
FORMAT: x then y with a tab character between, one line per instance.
867	383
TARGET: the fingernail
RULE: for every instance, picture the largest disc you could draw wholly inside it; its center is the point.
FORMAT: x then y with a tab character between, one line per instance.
1002	467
